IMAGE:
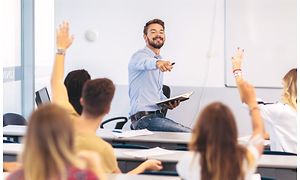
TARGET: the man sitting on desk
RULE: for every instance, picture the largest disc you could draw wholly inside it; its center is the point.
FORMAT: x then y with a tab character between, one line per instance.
146	69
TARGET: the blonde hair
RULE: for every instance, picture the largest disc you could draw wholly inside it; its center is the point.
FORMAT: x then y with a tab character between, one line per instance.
290	88
215	138
49	143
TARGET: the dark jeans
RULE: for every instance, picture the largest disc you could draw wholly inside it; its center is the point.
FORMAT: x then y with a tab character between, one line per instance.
157	122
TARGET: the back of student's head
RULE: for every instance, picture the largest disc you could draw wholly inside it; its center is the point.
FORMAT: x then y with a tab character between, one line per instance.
215	138
97	95
74	82
290	88
48	148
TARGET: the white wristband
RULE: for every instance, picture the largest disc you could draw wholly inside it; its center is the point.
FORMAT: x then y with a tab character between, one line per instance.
237	73
61	52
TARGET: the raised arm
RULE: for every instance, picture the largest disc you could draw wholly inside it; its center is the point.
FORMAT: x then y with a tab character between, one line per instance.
248	96
63	42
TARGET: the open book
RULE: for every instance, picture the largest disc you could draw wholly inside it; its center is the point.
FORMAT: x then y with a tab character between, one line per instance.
182	97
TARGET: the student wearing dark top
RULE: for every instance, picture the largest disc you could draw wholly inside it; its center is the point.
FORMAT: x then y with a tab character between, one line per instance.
74	82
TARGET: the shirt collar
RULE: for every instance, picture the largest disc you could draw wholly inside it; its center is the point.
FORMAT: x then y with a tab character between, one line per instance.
151	53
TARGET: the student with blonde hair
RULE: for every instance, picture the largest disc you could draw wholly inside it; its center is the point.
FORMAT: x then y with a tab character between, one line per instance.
214	150
49	149
281	117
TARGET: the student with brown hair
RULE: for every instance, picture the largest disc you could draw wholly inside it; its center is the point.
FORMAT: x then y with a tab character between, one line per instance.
49	149
281	117
214	150
97	95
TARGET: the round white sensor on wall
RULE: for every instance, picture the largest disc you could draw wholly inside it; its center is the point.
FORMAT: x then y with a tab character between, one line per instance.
91	35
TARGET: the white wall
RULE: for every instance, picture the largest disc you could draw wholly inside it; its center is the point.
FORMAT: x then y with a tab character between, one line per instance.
44	42
194	29
267	30
11	57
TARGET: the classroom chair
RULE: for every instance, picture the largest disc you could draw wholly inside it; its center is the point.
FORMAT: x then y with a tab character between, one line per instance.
13	119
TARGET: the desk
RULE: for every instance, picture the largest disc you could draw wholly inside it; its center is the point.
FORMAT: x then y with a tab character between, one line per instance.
168	140
277	166
11	151
266	161
14	131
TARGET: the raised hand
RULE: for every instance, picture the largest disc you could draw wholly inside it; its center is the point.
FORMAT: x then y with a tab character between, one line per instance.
63	39
237	59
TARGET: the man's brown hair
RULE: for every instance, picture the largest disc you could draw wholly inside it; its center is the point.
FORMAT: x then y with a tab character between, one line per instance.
153	21
97	95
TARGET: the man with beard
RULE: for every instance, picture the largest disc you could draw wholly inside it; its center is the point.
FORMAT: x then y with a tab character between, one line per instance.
146	69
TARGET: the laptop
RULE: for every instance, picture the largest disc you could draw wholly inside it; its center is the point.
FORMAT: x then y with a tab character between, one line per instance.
42	96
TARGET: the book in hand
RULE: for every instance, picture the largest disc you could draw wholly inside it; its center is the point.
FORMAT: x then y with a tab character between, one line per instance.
182	97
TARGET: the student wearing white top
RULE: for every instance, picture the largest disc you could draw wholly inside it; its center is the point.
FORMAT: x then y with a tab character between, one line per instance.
214	150
280	118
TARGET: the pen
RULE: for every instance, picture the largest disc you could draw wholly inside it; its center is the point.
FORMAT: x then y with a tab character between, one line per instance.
172	63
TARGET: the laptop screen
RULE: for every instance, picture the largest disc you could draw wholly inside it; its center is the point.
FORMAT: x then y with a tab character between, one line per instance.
42	96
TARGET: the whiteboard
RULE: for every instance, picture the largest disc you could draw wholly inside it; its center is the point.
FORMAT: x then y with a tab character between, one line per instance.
266	29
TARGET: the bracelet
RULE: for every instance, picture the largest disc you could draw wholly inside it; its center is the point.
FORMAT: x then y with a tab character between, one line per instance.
61	52
253	108
237	73
236	70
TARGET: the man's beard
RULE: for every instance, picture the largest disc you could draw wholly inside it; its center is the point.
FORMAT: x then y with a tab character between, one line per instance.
156	45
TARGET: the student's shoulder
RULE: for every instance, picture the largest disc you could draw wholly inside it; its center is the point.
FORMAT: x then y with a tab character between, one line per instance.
18	174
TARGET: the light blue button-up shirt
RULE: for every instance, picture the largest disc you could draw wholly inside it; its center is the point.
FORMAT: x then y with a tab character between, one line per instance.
145	81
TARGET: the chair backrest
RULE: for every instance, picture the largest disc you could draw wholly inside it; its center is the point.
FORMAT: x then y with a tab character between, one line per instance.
42	96
167	92
13	119
119	125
